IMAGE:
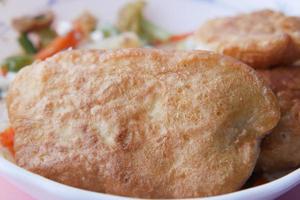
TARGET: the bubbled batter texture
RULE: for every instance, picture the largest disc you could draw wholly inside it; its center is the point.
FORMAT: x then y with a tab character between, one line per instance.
141	122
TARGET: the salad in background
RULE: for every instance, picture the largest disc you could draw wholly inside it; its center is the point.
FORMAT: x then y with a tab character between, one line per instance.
39	38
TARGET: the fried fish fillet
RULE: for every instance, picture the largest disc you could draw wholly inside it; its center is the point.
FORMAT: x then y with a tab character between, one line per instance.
141	122
261	39
281	149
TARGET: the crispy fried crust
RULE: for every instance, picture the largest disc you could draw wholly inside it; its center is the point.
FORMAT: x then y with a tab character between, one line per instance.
140	122
281	149
261	39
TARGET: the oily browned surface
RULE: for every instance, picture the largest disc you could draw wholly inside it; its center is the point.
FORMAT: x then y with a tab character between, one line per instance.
281	148
141	122
261	39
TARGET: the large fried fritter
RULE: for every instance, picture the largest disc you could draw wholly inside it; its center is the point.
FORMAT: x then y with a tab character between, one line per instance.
281	149
141	122
261	39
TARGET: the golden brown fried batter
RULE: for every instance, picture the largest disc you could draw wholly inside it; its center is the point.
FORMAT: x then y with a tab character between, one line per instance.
141	122
281	148
261	39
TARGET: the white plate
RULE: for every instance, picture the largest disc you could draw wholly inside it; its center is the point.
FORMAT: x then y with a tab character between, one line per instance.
175	16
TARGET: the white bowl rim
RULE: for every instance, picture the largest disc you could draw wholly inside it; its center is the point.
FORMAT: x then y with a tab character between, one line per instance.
12	170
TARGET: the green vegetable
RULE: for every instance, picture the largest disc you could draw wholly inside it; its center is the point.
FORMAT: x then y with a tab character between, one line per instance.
152	33
109	30
131	19
15	63
26	44
46	36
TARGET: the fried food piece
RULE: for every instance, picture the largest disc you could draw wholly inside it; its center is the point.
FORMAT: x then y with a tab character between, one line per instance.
26	24
261	39
281	149
141	122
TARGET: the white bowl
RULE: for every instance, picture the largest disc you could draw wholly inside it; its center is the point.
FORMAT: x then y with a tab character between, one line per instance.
42	188
188	15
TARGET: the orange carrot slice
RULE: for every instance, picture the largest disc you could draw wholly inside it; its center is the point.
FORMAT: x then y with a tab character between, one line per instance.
60	43
176	38
7	139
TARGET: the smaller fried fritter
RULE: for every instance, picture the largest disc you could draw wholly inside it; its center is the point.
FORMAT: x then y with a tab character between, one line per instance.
261	39
281	148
